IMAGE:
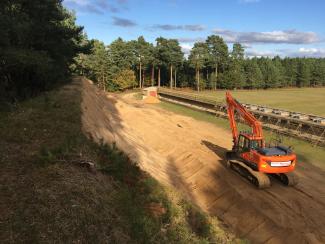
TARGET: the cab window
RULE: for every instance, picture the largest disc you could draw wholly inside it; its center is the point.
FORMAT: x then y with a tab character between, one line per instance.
246	145
255	144
241	142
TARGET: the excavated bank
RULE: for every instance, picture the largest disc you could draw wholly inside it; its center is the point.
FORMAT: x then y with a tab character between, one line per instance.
188	154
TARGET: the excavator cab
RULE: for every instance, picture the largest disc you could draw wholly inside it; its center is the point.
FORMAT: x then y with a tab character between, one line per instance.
255	144
247	143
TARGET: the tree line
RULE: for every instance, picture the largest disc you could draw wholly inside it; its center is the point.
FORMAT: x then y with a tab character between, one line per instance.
210	65
38	42
136	63
40	46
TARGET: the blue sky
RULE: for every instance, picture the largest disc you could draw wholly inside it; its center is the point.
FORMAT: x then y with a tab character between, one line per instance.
264	27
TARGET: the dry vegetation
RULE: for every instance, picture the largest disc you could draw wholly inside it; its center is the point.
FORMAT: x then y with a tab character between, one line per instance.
47	195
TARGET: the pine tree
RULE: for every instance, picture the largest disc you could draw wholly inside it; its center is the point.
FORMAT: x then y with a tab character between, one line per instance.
218	51
253	73
99	64
280	82
290	71
318	73
237	51
270	73
175	57
142	51
303	73
121	55
236	67
38	43
199	55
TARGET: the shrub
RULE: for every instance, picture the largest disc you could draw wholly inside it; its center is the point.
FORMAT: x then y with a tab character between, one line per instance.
124	79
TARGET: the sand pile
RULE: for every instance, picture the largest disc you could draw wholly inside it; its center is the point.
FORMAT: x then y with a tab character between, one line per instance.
151	100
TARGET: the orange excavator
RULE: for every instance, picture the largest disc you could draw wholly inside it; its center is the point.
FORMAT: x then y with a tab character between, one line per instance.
251	158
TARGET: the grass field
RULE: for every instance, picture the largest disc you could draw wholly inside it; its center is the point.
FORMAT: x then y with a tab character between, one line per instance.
305	100
305	151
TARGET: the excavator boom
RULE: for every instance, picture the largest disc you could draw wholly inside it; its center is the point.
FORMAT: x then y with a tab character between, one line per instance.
234	105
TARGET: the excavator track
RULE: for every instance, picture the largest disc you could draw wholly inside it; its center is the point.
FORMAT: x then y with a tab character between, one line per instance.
259	179
287	179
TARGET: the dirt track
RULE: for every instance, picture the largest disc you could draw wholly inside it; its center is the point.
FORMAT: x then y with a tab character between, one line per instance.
187	154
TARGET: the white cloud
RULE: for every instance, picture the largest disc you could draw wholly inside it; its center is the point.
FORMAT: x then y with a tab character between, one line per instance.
186	48
123	22
94	6
306	52
168	27
276	37
301	52
79	2
257	53
191	39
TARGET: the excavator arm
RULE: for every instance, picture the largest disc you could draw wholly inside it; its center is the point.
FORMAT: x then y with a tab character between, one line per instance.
232	106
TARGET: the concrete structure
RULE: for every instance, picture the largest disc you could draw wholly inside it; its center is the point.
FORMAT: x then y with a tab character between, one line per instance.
150	95
149	91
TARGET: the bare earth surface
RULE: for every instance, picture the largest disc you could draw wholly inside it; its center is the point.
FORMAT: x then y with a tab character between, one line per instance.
188	154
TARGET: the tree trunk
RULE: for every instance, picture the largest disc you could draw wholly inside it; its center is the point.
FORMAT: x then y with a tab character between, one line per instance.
143	77
171	76
175	80
159	77
103	79
152	75
196	77
215	83
104	83
198	80
140	77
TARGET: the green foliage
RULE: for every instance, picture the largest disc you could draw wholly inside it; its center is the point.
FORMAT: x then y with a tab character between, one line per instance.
318	73
234	76
303	73
95	64
271	74
38	42
175	54
254	76
162	52
218	57
237	51
168	51
198	221
105	63
198	58
124	79
199	55
208	66
143	57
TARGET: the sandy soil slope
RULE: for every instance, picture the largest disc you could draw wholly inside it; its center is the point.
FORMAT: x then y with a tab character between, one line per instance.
188	155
